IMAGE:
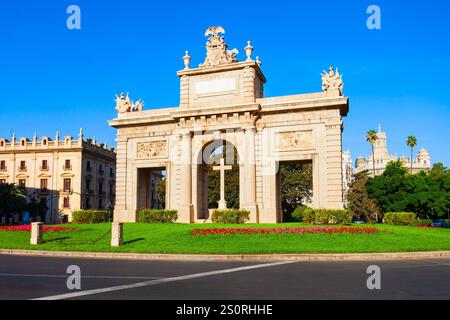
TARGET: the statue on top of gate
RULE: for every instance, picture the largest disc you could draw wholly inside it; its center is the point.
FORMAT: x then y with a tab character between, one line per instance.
217	52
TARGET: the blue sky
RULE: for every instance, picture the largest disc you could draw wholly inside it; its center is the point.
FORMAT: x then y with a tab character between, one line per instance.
55	79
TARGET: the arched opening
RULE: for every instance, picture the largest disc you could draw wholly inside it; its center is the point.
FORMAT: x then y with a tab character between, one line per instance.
218	174
151	187
294	187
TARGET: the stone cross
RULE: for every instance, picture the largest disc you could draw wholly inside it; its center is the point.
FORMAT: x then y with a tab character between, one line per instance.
222	168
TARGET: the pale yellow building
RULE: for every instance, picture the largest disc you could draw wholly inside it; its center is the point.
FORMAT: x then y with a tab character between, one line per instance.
68	174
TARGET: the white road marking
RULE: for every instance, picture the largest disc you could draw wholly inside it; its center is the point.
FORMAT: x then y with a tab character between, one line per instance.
159	281
65	276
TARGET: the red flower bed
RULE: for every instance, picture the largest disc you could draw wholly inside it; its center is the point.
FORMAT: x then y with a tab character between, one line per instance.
313	230
426	227
27	228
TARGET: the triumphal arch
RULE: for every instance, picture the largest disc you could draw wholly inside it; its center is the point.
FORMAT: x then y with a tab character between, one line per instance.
222	102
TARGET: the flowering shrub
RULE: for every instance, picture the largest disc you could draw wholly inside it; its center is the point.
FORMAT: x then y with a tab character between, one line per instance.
27	228
316	230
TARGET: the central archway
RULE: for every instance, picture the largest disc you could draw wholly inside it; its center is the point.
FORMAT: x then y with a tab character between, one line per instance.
209	170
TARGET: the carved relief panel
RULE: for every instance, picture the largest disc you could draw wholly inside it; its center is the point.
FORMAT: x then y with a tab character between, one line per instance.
151	149
295	140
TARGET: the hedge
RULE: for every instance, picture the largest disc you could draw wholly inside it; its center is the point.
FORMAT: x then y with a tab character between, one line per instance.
326	216
298	213
91	216
232	216
400	218
158	216
423	222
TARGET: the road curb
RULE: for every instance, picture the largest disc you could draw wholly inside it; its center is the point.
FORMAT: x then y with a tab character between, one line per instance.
231	257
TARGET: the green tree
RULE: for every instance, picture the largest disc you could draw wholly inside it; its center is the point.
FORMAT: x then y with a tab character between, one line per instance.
161	192
411	142
296	186
359	201
372	137
426	194
12	200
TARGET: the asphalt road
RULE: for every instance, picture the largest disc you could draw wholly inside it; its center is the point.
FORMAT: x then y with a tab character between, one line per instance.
35	277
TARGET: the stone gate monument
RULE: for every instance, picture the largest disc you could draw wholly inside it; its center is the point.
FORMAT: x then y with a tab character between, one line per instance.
223	100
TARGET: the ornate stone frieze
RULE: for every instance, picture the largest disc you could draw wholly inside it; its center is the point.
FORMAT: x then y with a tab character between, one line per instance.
151	149
294	140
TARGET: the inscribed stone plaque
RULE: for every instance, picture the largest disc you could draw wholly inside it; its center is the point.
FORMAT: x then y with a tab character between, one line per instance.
215	86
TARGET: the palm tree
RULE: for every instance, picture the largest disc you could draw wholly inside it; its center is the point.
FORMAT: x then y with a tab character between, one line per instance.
411	142
12	200
372	137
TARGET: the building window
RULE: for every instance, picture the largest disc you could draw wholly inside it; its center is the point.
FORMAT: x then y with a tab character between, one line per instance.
2	143
111	188
44	184
44	165
23	143
111	172
100	204
88	166
67	185
2	181
66	202
67	165
3	165
88	185
88	203
23	166
22	183
100	187
100	170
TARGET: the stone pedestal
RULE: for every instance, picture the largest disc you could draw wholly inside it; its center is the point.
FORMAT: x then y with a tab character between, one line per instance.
117	234
36	233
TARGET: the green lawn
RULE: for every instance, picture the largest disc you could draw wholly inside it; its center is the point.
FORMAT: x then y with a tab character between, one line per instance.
177	238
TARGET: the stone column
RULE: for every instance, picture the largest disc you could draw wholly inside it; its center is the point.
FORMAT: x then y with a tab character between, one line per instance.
184	188
249	203
120	208
36	233
116	234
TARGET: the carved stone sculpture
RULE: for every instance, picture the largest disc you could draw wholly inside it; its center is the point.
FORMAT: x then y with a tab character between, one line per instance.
332	82
124	104
217	52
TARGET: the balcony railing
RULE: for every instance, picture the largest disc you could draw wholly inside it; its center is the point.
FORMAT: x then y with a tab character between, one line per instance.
4	169
22	169
44	168
67	167
101	172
